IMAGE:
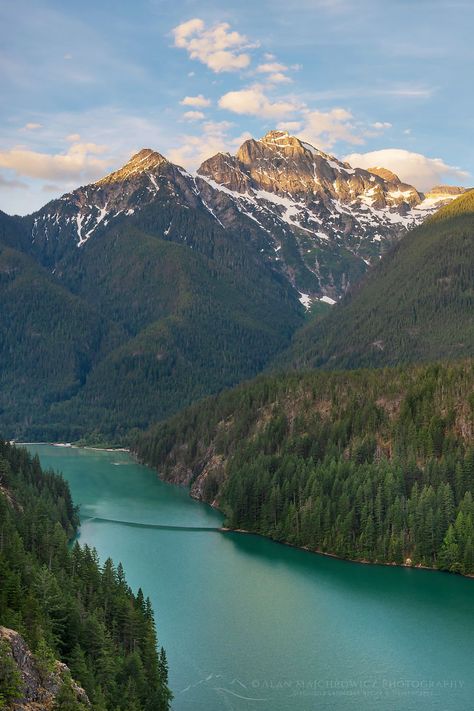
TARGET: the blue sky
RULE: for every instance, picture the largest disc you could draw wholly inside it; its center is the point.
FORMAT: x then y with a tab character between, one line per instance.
84	85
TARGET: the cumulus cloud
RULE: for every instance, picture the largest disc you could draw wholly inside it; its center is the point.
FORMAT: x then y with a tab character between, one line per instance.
275	72
193	115
413	168
322	128
218	47
199	101
215	137
79	162
254	102
32	126
325	128
271	67
279	78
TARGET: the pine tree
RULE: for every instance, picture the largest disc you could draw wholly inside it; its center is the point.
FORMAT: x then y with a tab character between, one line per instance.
66	699
10	677
449	553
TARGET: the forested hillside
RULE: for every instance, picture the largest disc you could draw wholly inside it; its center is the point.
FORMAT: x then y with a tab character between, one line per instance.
133	326
416	305
67	605
370	465
49	340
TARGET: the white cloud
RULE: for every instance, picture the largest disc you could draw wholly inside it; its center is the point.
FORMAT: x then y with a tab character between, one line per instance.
199	101
77	163
322	128
279	78
325	128
413	168
271	67
215	138
275	72
289	126
218	47
381	125
73	138
193	115
32	126
254	102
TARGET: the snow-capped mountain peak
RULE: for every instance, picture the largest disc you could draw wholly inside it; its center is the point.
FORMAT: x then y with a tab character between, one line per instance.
313	218
334	219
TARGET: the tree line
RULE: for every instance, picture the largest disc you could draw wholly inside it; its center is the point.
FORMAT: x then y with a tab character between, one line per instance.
374	465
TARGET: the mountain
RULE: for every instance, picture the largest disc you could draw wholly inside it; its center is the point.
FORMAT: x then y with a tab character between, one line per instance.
416	305
119	315
131	297
373	465
314	219
325	221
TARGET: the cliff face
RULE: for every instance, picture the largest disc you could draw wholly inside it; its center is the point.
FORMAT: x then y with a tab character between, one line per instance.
282	164
39	690
325	220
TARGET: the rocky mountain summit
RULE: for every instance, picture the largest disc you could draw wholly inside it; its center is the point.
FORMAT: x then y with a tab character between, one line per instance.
328	219
88	211
315	219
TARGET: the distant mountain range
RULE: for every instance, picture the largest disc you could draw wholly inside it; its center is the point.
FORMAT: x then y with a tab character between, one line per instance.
131	297
315	219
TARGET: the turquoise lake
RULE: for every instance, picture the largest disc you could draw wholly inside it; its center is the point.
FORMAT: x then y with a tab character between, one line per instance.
251	624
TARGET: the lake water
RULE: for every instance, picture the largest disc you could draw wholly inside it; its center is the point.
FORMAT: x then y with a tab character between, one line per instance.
250	624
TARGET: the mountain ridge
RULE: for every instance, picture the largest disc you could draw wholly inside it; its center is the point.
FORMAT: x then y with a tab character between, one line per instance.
328	221
317	221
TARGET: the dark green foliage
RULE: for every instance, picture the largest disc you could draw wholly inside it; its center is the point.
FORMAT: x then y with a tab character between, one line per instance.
49	340
374	465
10	677
66	699
416	305
65	604
133	325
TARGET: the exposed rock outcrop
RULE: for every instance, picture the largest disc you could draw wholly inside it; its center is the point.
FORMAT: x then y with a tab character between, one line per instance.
39	690
326	220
